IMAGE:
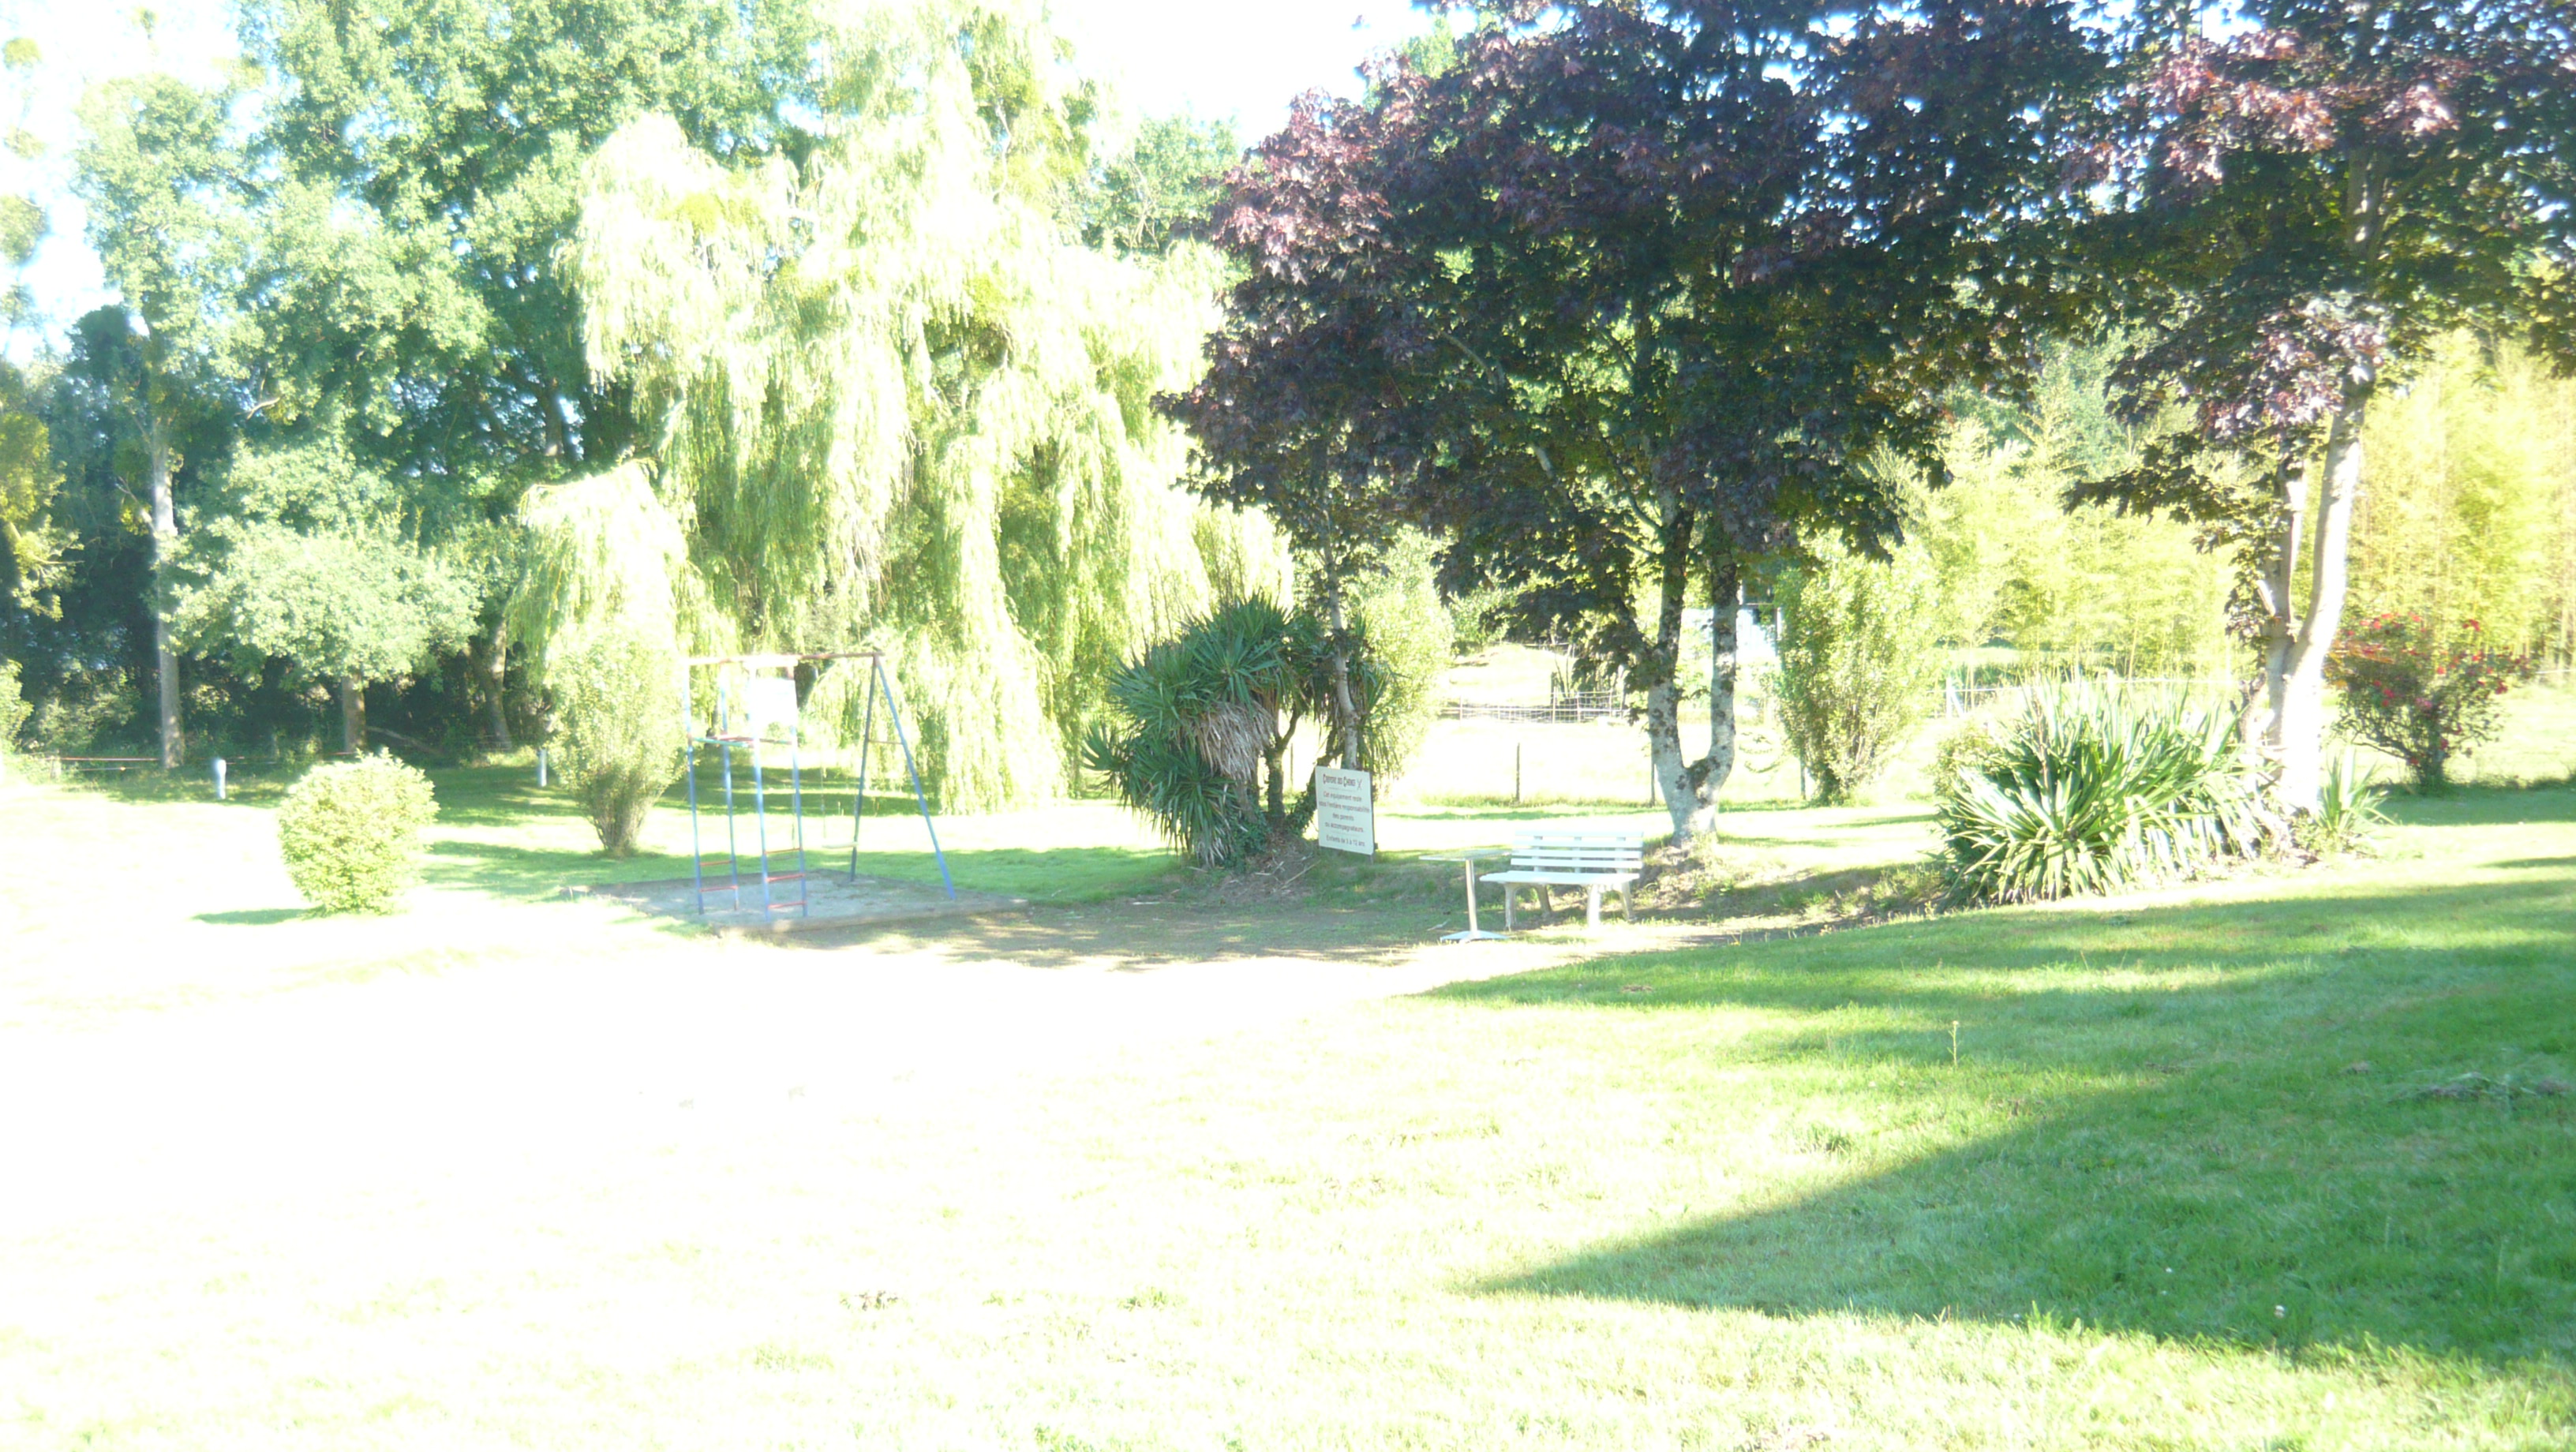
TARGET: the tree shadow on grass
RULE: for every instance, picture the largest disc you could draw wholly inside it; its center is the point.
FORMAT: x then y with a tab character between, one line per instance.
252	917
2242	1151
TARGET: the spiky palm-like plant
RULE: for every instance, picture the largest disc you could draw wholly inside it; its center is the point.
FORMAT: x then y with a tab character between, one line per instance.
1204	724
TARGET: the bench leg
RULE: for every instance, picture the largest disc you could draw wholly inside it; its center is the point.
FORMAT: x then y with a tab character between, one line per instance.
1510	890
1627	905
1592	906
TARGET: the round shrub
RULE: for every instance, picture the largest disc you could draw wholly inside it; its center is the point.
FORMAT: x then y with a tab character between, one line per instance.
350	833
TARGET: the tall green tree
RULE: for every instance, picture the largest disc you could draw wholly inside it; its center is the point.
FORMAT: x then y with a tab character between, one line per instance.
2296	211
164	179
891	397
315	558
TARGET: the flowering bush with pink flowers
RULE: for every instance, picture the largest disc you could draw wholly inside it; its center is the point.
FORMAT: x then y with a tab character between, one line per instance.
2422	695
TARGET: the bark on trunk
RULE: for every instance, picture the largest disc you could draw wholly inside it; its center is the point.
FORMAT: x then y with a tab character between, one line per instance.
1690	788
495	667
1726	601
1662	667
353	715
165	538
1345	709
2280	608
2302	722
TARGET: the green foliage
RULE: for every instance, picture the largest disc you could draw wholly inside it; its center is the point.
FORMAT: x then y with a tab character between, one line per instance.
1202	723
1858	661
14	712
901	403
2421	694
2094	788
2085	586
350	833
316	562
1163	189
1412	638
2348	810
617	700
2472	467
32	547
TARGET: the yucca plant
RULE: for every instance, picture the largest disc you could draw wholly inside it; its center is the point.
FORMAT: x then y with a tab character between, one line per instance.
2347	809
1205	720
2094	788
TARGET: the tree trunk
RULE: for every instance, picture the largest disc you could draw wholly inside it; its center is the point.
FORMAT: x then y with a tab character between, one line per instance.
2302	724
2280	603
1726	601
165	538
1662	670
353	715
495	667
1345	710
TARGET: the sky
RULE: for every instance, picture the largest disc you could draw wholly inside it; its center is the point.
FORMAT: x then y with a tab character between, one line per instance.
1244	59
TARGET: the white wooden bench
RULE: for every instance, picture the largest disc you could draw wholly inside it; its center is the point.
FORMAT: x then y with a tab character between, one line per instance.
1588	860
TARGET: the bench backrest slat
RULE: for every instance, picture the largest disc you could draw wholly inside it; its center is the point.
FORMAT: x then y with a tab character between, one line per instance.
1579	851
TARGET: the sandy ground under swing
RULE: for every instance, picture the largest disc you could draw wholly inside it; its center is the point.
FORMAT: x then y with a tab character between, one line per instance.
833	900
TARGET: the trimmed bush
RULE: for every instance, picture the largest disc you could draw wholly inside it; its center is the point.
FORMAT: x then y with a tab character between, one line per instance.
2093	789
350	833
617	699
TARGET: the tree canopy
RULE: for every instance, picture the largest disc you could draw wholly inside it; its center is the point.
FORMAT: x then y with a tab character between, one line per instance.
2292	209
1623	296
894	398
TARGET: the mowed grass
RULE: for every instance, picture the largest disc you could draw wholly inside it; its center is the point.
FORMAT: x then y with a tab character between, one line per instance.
2179	1188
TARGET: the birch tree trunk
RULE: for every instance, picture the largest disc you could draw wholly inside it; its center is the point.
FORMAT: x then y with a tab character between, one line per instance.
2280	604
2302	723
1726	602
165	538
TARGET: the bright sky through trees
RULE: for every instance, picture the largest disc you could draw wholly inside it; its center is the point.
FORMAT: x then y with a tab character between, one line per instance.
1240	58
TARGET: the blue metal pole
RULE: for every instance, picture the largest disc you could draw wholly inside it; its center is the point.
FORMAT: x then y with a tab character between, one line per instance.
760	816
895	718
796	791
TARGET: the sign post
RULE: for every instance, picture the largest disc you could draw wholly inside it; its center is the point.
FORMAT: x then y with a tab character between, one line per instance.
1345	812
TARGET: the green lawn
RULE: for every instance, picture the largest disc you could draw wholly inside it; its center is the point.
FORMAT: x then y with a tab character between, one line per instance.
561	1179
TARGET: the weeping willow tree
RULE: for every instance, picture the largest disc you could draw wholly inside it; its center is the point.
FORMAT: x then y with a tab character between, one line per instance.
898	402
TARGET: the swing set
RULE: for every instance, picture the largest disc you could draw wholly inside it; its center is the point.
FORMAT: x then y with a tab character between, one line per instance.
754	707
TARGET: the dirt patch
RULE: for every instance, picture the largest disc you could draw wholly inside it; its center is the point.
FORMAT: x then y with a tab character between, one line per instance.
830	900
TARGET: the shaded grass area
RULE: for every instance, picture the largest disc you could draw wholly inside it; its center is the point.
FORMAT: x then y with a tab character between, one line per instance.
2188	1121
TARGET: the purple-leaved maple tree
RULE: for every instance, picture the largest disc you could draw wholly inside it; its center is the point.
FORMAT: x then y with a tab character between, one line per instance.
1627	298
2295	199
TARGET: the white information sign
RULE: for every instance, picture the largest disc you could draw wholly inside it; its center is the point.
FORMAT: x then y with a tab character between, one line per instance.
1345	814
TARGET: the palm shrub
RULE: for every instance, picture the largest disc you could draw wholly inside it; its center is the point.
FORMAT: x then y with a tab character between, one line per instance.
1200	726
2347	810
2094	788
350	833
618	729
2420	695
1857	662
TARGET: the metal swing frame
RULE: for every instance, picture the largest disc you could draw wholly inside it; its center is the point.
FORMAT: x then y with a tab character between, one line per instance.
735	729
